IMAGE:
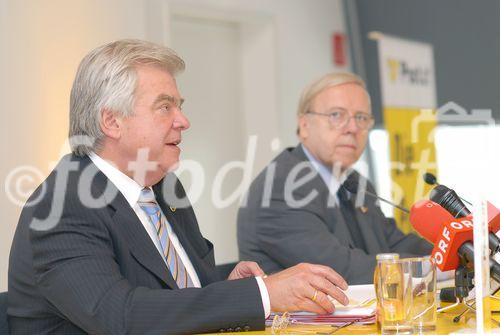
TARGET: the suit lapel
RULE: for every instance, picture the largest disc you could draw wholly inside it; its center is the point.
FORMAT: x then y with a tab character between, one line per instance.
336	222
141	246
341	230
193	254
370	234
368	224
138	240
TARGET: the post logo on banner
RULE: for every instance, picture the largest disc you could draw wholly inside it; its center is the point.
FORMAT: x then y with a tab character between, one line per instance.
409	102
401	71
394	66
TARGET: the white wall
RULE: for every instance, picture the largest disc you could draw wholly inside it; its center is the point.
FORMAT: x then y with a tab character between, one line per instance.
304	52
42	42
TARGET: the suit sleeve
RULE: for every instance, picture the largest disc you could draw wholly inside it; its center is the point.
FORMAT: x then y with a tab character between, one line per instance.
407	245
294	235
77	273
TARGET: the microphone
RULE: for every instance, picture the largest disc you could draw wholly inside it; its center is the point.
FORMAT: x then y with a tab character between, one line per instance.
450	201
431	179
351	184
451	241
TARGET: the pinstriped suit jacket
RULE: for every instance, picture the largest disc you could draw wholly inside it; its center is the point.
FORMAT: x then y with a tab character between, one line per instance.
97	271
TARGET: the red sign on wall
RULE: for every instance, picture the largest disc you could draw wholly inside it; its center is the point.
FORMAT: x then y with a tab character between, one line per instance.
339	49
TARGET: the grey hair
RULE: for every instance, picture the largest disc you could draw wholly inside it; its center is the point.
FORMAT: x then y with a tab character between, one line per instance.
327	81
106	79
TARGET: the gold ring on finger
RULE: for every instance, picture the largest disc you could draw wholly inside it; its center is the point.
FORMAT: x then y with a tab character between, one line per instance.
315	295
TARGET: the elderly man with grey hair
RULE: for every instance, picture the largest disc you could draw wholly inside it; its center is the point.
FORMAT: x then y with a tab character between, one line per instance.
109	243
296	210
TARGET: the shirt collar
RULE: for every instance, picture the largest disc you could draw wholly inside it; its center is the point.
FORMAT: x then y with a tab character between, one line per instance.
325	172
126	185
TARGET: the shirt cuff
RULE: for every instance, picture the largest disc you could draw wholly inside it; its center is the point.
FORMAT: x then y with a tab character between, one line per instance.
266	302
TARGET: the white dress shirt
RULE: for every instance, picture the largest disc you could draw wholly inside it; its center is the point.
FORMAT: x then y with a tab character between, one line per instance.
132	191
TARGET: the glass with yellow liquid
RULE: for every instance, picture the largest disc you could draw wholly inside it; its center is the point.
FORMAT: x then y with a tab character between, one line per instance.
424	304
380	258
394	294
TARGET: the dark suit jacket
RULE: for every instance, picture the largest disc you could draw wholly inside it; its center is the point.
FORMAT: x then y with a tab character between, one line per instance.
283	234
97	271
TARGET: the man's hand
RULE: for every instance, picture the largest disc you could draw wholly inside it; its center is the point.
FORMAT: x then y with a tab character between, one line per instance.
245	270
306	287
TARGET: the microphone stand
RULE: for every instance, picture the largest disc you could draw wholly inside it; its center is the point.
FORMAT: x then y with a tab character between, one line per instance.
464	277
463	284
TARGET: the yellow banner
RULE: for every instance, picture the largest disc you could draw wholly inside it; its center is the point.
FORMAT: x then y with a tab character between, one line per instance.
412	153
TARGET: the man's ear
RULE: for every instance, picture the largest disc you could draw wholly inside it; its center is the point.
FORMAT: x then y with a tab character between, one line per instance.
303	127
111	123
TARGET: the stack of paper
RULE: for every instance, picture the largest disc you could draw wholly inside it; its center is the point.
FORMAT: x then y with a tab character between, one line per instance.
361	310
303	318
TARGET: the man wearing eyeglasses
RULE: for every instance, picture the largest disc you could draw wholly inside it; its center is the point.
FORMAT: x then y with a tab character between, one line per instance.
296	210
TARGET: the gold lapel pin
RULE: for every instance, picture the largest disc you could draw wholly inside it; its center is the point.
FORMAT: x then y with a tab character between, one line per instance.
173	209
363	209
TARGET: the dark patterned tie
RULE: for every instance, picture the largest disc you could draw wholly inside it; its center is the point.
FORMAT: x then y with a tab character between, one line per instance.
349	214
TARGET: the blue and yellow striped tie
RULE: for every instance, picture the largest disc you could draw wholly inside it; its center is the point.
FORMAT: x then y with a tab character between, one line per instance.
149	205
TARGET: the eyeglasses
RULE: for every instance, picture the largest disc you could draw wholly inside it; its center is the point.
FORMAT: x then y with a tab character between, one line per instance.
340	118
